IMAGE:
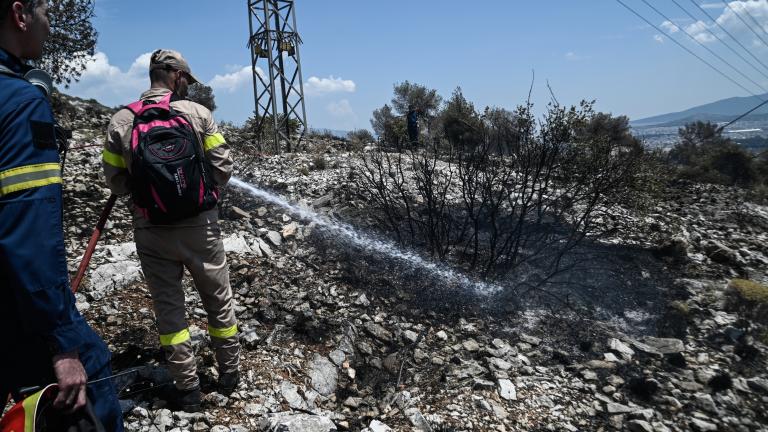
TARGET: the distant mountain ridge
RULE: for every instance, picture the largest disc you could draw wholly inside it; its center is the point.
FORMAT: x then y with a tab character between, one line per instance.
714	118
719	111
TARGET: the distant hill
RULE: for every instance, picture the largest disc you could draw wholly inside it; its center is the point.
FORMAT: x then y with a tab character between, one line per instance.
720	111
714	118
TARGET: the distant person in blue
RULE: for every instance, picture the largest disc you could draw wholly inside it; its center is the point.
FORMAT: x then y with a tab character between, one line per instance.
45	339
412	121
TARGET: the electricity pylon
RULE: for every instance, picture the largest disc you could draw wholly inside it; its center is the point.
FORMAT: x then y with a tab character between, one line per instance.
278	86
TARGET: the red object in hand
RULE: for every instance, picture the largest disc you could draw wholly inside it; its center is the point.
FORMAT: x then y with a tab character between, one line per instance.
92	243
23	415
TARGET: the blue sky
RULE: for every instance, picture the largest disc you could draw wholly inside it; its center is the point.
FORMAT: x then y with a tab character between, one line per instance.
355	50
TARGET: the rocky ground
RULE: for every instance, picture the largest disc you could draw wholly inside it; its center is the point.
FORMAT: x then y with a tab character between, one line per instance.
329	345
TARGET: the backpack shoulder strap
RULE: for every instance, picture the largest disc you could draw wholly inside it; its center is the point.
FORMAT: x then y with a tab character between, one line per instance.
140	106
134	107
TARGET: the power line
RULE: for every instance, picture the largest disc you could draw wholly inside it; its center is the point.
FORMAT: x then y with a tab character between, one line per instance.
686	48
729	33
752	17
708	49
745	23
742	116
733	50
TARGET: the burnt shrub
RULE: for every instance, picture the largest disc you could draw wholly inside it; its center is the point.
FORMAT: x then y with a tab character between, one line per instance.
506	196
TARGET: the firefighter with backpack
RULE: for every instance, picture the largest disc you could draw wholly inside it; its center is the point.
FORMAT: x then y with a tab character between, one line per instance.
168	154
45	338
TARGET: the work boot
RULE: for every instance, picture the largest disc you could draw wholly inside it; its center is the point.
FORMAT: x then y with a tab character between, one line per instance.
187	400
228	382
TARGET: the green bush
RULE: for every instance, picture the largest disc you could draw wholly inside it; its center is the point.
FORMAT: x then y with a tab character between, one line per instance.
319	162
750	291
735	164
359	138
325	134
704	155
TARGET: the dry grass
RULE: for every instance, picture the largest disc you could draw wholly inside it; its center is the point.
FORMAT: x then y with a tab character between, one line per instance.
750	291
748	298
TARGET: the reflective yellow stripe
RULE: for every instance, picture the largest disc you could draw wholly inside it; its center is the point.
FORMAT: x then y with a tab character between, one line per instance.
113	159
26	169
29	185
222	333
28	177
30	405
213	141
174	338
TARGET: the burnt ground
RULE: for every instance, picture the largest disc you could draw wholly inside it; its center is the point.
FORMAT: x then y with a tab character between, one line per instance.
416	353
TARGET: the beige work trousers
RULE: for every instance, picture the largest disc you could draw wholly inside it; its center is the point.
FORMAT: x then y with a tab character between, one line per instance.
164	252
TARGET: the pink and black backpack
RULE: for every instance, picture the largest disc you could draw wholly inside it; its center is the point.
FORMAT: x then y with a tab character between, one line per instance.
170	177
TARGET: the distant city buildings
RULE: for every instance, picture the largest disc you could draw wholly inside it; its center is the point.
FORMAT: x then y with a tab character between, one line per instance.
666	136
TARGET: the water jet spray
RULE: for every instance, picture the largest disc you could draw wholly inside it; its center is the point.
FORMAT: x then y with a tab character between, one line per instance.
365	241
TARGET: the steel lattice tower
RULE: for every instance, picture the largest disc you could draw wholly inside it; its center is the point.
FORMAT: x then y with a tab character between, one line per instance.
279	96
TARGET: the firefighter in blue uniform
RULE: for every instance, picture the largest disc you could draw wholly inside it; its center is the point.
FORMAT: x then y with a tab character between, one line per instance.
45	338
412	124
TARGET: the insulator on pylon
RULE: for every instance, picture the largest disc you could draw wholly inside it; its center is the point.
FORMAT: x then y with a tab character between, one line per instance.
279	91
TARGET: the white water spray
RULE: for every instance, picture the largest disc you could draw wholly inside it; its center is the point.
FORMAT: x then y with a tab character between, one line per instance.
381	246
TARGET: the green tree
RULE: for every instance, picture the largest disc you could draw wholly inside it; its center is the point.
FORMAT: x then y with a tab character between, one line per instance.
459	121
697	141
407	94
381	119
389	121
614	129
503	129
389	128
203	95
72	41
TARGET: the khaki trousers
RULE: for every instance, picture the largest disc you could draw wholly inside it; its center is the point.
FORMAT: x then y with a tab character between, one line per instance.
164	252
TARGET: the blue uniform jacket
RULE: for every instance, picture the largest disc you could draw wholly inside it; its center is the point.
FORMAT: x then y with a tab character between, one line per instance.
38	316
412	119
36	303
